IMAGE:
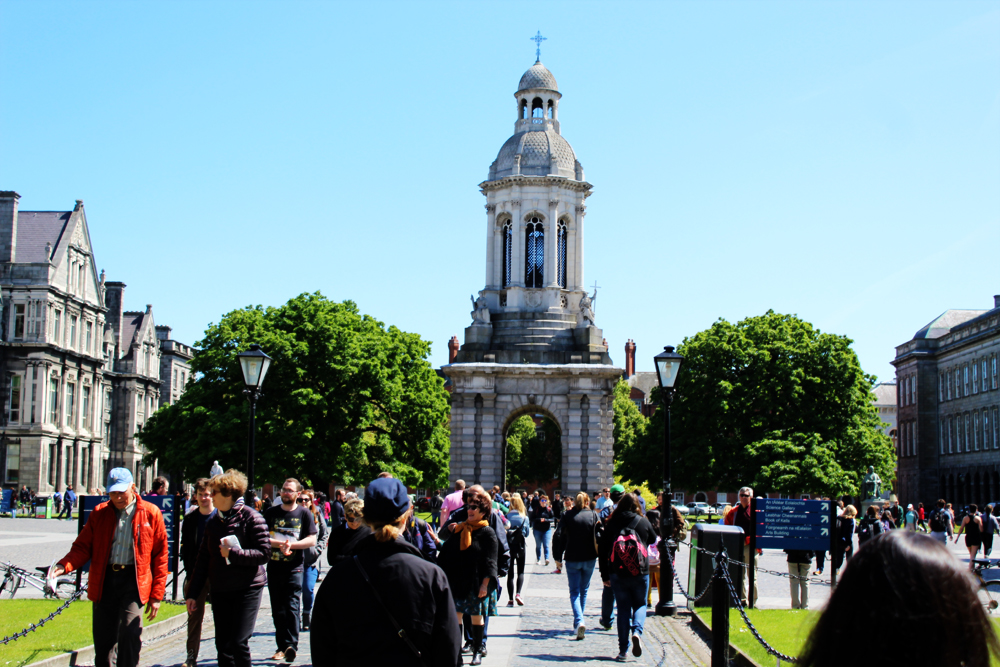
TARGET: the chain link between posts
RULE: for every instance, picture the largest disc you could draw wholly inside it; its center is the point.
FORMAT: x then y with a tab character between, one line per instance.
34	626
787	575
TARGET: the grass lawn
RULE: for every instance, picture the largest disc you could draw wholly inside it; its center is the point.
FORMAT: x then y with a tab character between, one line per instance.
67	632
784	629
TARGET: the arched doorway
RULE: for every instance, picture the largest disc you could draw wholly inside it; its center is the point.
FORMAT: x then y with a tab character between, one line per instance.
701	497
532	453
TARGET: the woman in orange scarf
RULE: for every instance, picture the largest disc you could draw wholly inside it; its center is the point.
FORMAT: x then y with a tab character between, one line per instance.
469	558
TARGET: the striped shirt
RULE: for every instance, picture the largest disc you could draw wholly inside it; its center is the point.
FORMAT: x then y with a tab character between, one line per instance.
122	552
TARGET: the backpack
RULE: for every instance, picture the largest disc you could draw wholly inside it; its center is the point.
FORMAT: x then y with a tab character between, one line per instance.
938	523
629	556
869	529
515	536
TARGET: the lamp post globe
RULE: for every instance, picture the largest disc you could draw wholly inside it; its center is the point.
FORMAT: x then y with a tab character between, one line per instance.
254	363
668	365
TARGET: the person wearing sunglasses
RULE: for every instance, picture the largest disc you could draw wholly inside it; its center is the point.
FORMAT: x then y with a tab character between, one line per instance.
740	516
310	563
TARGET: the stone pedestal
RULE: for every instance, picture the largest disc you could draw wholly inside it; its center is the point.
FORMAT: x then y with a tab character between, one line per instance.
478	336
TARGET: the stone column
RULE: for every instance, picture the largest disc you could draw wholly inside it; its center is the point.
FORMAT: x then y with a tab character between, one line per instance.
551	277
489	442
572	477
491	247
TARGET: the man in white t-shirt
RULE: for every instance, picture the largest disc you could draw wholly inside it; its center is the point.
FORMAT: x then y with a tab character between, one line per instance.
453	501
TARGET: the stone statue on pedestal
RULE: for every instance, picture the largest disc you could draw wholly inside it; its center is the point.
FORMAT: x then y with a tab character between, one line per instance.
480	310
872	486
587	310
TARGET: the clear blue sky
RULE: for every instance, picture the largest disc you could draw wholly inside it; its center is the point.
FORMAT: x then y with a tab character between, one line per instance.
838	160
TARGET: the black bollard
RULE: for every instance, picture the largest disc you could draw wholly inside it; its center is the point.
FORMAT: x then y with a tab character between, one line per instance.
720	613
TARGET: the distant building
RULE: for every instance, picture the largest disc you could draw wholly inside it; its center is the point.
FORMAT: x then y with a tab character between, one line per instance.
885	403
79	375
948	394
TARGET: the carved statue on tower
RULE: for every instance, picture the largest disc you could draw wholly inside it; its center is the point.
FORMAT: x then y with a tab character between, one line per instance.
480	309
587	309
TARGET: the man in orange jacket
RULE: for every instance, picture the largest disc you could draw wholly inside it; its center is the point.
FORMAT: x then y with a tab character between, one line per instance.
125	541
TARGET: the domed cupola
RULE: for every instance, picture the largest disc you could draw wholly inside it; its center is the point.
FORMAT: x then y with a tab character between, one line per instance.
537	148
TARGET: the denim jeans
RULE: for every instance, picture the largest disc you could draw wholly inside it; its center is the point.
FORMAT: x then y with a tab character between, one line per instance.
542	538
309	577
630	595
607	606
284	586
578	573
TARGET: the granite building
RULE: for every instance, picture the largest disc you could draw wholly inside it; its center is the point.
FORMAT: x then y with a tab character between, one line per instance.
948	412
79	374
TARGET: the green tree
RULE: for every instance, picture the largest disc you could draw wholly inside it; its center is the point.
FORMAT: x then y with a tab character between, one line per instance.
345	399
629	427
534	454
769	402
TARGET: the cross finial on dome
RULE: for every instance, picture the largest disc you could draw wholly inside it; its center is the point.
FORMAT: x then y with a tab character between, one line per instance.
538	39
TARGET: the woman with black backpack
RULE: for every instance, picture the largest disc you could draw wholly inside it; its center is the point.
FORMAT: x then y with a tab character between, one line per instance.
624	562
517	539
577	537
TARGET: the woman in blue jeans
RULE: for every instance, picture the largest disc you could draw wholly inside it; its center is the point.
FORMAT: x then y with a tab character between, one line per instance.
310	565
629	586
541	526
576	538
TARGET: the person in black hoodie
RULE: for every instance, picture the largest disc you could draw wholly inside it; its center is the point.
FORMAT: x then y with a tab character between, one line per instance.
629	590
401	610
541	526
577	538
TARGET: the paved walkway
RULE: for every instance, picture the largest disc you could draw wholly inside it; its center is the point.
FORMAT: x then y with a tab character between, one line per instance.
538	633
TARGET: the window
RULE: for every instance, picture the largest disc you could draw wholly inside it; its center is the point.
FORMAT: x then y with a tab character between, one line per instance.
561	251
975	377
13	462
996	428
913	390
72	331
70	403
90	336
951	434
975	431
57	327
943	428
941	388
968	432
86	406
993	373
34	392
14	404
986	384
958	384
534	253
54	401
965	380
507	240
948	382
18	321
986	428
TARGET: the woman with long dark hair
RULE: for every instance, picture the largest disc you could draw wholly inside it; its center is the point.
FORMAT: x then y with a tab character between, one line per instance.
912	590
629	586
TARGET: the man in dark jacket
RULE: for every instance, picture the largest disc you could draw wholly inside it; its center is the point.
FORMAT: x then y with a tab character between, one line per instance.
503	561
336	510
399	583
192	533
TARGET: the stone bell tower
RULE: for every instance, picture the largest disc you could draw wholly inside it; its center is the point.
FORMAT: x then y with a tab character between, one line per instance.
533	346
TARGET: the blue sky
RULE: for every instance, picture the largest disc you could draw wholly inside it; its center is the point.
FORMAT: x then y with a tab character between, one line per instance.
837	160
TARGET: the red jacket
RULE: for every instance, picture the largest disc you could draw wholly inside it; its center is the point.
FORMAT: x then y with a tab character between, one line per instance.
149	540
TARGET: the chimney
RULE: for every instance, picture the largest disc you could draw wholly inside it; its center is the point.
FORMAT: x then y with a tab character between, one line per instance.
453	349
8	224
996	300
629	358
114	296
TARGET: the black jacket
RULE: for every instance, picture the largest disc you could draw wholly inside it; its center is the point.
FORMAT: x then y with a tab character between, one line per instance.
496	523
343	542
336	514
541	513
351	628
245	566
189	538
467	569
575	536
616	523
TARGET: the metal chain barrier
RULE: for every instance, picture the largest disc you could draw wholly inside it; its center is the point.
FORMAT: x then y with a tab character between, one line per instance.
34	626
788	575
722	560
684	592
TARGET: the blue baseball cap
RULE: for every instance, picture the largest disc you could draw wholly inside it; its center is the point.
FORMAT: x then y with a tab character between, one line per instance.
119	479
386	499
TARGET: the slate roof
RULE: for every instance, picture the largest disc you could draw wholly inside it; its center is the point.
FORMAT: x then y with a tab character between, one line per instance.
885	394
35	229
131	322
946	321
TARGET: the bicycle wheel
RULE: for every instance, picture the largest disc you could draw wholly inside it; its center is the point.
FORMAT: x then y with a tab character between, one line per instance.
989	596
13	582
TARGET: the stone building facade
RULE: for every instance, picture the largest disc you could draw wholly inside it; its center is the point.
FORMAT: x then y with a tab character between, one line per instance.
79	375
533	346
948	414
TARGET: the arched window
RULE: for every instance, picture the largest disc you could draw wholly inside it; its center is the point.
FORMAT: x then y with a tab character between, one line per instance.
534	253
507	241
524	109
550	109
537	108
561	251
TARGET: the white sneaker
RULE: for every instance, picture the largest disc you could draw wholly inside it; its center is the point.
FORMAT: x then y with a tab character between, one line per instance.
580	631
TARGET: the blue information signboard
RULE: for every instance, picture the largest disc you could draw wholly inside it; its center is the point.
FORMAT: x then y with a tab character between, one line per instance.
793	524
7	502
166	505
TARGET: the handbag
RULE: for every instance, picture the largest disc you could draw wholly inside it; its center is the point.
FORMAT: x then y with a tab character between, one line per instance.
399	630
596	524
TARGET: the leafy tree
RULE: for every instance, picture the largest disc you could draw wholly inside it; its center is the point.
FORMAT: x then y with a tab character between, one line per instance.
629	427
769	402
345	399
533	454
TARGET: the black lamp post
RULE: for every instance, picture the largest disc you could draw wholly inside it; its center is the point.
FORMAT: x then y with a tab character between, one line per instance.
668	364
255	365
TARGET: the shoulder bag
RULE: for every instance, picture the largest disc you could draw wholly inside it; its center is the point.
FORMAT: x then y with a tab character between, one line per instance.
399	630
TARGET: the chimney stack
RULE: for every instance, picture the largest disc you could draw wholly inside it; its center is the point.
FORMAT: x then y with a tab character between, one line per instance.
453	349
629	358
8	224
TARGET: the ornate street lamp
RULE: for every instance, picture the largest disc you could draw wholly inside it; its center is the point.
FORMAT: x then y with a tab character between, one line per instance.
668	365
255	365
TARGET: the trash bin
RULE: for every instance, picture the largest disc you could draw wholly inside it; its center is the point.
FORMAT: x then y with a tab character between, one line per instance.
43	507
711	536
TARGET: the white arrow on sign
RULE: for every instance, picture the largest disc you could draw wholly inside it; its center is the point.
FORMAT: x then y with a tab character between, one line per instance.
825	506
825	518
824	532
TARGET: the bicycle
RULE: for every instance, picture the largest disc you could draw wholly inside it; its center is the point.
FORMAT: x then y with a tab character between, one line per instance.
16	578
989	591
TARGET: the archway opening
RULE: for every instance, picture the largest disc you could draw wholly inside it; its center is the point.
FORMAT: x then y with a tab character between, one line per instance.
532	456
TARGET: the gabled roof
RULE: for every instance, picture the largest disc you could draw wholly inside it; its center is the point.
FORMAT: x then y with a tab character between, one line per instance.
35	229
885	393
946	321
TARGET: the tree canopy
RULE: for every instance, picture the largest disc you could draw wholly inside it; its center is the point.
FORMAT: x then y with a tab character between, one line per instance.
345	399
769	402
